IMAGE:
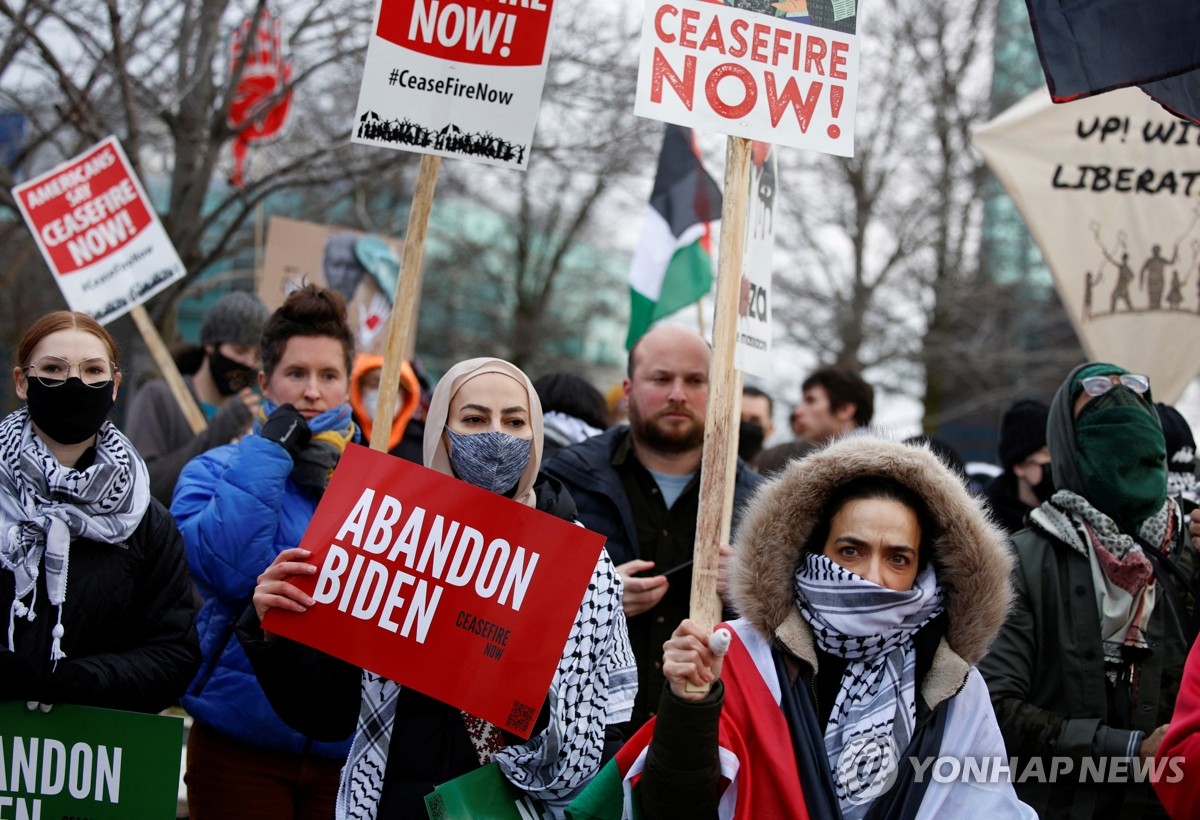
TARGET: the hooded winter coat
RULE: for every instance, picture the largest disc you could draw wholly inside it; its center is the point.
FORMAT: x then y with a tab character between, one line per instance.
1046	670
954	716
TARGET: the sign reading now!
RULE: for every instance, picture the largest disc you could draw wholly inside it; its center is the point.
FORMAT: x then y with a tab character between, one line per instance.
493	32
455	78
98	233
455	591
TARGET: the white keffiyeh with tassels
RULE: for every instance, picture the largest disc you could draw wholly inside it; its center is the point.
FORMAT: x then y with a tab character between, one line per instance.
44	506
593	687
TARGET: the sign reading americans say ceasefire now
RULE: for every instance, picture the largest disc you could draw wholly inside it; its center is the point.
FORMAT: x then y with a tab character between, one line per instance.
749	74
98	232
455	591
456	78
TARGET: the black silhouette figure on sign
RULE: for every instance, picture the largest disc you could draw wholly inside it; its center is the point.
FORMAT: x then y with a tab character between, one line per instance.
1124	280
1091	280
1153	276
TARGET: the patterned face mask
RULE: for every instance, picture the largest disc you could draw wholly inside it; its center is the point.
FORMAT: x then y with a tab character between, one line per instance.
492	460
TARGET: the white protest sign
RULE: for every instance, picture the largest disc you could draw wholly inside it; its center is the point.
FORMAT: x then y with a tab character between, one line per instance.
749	74
98	232
455	78
1109	186
753	351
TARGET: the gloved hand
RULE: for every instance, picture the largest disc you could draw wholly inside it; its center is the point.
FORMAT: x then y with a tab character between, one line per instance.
287	428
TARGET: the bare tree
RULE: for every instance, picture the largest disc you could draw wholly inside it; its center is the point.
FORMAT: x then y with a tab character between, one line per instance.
160	74
887	273
528	286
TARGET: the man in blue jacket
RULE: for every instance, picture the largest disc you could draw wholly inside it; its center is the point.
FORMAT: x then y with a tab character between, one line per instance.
640	487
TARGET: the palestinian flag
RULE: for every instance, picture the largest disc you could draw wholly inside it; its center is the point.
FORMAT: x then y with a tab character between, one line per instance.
672	266
757	758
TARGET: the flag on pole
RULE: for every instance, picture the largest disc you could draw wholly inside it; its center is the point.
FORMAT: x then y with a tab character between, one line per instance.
672	266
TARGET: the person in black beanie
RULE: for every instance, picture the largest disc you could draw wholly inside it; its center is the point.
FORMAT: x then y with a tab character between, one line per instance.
1025	459
223	386
1181	454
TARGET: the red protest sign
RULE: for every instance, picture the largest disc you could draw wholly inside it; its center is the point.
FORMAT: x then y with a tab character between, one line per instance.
455	591
484	32
86	209
98	233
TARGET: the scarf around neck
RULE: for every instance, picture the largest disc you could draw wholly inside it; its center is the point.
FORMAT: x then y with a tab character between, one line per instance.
44	506
1122	574
872	627
331	432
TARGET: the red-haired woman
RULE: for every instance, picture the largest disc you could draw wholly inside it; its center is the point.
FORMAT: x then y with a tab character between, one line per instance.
75	503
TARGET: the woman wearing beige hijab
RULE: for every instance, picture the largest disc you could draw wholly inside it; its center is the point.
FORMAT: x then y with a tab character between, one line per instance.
484	427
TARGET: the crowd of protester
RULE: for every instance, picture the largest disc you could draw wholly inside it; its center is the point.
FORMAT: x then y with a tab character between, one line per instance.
883	608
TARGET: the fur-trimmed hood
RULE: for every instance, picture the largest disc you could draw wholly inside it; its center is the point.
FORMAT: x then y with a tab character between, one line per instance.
971	554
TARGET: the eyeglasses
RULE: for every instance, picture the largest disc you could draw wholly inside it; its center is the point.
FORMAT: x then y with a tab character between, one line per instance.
1099	385
52	371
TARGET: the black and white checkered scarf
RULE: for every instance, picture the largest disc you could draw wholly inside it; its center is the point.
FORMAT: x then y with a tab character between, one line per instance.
593	687
872	627
44	506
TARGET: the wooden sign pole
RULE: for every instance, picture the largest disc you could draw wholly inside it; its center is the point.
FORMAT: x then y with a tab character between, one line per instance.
408	290
168	369
719	462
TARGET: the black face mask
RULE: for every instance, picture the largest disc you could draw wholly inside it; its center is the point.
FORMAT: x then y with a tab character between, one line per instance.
750	440
1044	488
229	376
71	412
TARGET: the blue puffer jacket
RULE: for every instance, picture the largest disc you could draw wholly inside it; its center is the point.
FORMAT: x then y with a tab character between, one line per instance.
238	509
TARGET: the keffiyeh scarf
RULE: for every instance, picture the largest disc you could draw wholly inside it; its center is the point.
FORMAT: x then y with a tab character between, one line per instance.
593	687
875	710
331	432
44	506
1121	572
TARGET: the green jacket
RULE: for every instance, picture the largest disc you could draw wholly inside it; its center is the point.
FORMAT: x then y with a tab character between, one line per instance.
1046	676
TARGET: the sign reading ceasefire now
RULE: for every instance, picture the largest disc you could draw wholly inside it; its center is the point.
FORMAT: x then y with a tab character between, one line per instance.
455	591
749	74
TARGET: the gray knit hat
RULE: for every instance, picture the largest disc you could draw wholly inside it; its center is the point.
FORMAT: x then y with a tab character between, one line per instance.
237	317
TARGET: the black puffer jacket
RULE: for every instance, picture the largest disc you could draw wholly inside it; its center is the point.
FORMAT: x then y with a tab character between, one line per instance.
128	620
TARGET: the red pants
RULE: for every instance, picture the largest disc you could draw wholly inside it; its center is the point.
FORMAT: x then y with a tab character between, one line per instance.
228	780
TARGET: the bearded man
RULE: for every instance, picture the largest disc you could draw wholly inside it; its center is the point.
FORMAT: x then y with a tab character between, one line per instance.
640	487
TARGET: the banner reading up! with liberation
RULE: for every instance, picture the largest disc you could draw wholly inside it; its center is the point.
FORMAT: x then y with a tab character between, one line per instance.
782	72
1110	189
455	591
456	78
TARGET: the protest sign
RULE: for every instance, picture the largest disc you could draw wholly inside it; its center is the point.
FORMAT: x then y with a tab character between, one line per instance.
751	73
76	761
753	351
455	78
455	591
98	233
1108	186
362	267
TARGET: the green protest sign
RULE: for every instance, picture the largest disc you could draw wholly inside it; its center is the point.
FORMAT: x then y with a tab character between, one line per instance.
75	761
482	794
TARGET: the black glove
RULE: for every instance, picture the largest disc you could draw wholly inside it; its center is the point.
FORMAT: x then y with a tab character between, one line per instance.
18	680
287	428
